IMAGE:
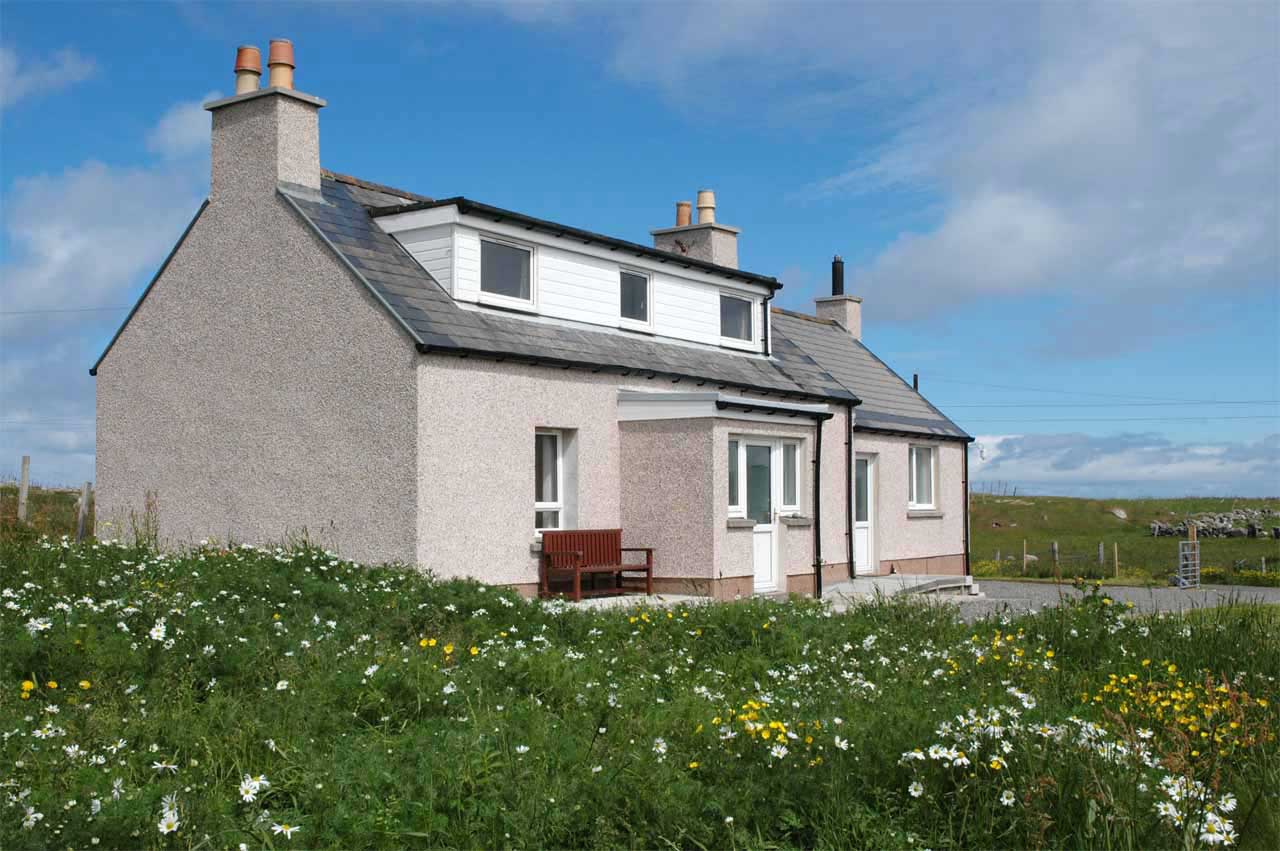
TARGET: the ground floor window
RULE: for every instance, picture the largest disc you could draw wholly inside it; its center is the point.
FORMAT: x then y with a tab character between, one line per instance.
548	466
764	472
923	475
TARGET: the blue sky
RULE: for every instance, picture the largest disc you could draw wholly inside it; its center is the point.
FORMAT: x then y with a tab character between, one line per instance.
1064	217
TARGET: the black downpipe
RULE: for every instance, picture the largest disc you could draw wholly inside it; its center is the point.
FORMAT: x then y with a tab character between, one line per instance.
764	324
817	509
848	487
965	476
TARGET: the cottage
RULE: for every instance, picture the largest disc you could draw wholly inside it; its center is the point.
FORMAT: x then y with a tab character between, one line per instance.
440	381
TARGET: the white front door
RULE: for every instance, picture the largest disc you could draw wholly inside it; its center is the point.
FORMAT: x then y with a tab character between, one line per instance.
762	484
864	501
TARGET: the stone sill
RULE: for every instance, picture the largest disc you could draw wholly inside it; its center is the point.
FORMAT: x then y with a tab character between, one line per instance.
741	523
923	513
796	520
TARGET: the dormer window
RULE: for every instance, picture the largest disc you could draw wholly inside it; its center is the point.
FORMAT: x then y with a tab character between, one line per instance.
735	318
634	292
506	272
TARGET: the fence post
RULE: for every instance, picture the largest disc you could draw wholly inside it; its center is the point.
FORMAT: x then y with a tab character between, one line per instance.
23	483
1117	554
84	512
1024	556
1102	555
1054	547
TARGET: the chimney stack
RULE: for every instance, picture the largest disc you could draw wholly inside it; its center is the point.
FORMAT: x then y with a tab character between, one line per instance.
706	240
248	69
845	309
280	64
264	137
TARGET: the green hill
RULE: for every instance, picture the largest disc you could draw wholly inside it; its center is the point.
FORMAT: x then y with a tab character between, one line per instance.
1000	525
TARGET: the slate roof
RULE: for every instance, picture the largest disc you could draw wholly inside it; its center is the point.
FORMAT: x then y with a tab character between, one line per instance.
812	357
888	402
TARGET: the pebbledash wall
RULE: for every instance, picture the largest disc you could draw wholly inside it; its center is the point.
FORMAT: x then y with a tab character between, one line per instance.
916	542
665	483
257	367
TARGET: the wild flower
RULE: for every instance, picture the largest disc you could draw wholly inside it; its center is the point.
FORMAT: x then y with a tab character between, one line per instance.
522	749
157	632
916	789
286	830
1008	798
162	766
282	685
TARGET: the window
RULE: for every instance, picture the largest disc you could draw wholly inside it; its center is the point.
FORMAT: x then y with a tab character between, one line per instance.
922	477
735	318
735	493
635	297
548	467
505	270
790	476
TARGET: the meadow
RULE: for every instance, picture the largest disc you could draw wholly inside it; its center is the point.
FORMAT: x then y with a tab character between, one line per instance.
245	697
1000	524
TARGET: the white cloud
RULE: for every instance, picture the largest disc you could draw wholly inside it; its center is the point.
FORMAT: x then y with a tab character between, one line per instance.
183	130
85	238
1127	465
23	78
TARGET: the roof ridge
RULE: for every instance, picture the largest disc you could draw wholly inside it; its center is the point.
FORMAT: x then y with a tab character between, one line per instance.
797	315
370	185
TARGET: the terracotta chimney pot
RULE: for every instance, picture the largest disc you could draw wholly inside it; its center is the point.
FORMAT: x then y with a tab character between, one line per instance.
684	214
248	68
706	206
280	63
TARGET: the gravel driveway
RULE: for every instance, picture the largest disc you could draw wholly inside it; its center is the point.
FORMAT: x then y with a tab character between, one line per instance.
1019	597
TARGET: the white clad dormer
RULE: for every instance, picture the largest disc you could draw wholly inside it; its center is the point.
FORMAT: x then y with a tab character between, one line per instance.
498	260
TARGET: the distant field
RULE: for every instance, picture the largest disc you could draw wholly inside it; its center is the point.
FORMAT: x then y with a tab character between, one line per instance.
1078	525
50	511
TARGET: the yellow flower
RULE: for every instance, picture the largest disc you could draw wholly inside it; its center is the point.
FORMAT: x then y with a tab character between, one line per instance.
431	642
26	695
766	625
276	616
475	651
85	684
422	643
764	734
693	765
27	685
1173	669
448	649
1048	654
52	684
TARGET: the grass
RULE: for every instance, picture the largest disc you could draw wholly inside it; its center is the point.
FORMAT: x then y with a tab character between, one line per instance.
1079	525
212	698
50	511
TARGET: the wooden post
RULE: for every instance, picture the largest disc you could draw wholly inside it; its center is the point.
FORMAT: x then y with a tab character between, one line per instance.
1024	556
1102	555
84	512
23	483
1116	547
1054	547
997	556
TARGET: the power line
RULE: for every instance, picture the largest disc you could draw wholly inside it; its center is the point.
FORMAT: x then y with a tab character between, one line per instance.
1072	392
1125	419
1100	404
61	310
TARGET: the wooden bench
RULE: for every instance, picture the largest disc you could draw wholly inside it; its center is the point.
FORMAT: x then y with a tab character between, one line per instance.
593	552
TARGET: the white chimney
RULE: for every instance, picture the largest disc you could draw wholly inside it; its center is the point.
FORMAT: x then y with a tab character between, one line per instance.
845	309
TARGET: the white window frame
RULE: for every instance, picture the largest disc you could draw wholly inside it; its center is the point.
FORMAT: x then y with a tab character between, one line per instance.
558	505
912	503
738	509
736	342
783	505
627	322
497	299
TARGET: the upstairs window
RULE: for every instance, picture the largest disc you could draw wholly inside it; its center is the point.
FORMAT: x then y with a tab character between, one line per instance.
922	477
506	270
735	318
635	297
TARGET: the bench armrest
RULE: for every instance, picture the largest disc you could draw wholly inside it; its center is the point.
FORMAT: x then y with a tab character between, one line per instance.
637	549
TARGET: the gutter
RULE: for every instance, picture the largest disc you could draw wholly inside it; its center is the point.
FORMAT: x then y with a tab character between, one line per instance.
964	473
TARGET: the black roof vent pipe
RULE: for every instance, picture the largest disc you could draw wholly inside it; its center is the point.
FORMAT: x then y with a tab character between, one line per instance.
837	276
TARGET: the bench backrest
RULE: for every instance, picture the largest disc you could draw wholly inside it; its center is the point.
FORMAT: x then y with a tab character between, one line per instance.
598	546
